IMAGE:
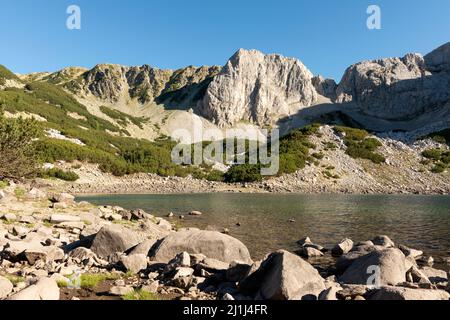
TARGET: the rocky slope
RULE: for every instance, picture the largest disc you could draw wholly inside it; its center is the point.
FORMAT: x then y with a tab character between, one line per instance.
403	172
53	248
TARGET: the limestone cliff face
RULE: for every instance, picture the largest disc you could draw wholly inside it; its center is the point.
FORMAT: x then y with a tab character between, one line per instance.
146	84
398	88
258	88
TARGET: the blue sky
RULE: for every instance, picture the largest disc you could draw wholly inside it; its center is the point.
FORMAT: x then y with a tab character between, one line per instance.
326	35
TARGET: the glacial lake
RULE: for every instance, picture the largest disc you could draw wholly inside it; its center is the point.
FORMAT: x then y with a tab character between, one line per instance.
421	222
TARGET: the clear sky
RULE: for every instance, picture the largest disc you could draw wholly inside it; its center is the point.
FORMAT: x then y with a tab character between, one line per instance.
326	35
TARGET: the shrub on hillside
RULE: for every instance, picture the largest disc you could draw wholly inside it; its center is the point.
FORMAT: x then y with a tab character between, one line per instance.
59	174
17	159
243	173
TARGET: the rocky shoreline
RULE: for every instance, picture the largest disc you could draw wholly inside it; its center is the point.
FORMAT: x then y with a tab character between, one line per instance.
52	248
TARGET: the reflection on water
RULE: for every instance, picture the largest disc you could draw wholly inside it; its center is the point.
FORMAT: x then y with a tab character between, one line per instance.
421	222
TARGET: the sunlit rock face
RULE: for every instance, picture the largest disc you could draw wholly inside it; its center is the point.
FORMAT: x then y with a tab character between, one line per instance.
258	88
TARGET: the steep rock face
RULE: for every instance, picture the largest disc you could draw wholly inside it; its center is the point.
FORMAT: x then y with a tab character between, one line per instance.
258	88
439	59
325	87
398	88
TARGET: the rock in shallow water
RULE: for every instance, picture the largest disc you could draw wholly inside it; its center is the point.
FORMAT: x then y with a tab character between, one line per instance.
342	247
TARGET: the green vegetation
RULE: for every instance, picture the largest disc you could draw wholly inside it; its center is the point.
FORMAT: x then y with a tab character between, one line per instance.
329	175
140	295
439	158
441	136
359	146
19	192
16	148
123	118
329	145
62	283
59	174
294	153
243	173
3	184
14	279
89	281
6	74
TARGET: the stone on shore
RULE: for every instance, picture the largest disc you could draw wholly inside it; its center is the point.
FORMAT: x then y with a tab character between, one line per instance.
408	252
237	271
346	260
63	197
414	275
120	290
383	241
6	287
195	213
329	294
391	264
310	252
342	247
209	243
304	241
400	293
144	247
284	276
134	263
59	218
44	289
9	217
113	238
182	259
435	275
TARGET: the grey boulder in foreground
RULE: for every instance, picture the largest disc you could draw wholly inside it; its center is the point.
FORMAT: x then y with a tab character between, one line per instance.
284	276
212	244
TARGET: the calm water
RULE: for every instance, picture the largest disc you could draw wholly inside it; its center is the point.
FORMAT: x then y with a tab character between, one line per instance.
421	222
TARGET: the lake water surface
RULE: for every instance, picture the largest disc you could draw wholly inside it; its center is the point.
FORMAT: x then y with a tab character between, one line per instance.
421	222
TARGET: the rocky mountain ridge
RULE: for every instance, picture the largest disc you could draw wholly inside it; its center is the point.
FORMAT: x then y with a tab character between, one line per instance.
115	83
265	89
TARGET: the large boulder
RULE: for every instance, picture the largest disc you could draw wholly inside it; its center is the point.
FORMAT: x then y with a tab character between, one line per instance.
210	243
391	264
44	289
134	263
63	198
346	260
284	276
114	238
144	247
400	293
